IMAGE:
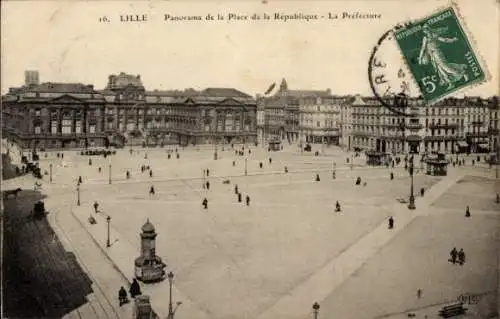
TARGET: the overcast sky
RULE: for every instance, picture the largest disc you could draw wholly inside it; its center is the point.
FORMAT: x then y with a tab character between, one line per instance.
65	42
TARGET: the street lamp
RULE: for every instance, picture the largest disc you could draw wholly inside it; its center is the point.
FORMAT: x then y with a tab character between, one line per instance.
411	205
78	195
109	173
316	310
108	219
170	276
50	172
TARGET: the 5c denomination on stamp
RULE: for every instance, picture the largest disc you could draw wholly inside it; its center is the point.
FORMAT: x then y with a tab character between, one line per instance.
440	55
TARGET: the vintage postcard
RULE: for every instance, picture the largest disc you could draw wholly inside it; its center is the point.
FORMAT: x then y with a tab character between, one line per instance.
250	159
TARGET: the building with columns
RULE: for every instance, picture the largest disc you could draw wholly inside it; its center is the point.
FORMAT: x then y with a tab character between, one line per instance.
66	115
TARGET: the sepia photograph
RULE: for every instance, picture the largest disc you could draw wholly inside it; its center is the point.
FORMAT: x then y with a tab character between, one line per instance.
253	159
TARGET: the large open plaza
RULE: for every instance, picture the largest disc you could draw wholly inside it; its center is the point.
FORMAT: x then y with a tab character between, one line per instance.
287	248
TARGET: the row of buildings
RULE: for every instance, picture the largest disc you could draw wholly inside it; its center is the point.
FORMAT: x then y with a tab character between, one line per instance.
68	115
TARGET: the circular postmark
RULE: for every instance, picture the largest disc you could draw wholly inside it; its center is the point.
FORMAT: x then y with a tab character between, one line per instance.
389	77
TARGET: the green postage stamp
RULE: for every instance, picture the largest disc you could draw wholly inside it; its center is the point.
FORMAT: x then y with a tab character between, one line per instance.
440	55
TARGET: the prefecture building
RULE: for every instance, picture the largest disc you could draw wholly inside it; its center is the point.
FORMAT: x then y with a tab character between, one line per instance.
67	115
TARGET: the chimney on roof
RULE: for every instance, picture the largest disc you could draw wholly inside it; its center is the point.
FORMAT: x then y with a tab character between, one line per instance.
31	78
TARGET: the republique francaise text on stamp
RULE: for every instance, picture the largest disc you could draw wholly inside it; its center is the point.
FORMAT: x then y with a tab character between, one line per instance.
439	55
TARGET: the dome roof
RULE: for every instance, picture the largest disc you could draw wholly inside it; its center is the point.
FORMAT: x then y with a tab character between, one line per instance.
148	227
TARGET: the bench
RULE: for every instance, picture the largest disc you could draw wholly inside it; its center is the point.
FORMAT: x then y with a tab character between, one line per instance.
452	310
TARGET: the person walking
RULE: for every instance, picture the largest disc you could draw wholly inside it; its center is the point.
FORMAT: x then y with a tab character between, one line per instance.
135	289
239	197
461	257
392	176
467	212
99	169
337	207
208	185
151	190
317	177
422	191
96	207
236	189
453	255
391	222
248	200
122	296
150	173
205	203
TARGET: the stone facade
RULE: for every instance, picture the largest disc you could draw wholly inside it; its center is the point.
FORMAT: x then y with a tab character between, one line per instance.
65	115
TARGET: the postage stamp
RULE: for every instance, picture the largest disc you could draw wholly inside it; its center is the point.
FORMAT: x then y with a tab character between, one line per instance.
440	55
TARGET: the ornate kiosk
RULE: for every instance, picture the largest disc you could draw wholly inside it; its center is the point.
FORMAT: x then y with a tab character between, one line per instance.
148	266
436	164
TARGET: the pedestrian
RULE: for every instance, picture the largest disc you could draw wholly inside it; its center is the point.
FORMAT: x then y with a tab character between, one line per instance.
422	191
249	151
151	190
208	185
461	257
453	255
62	155
358	181
260	164
270	160
248	200
337	206
90	162
392	176
135	289
99	169
151	173
146	156
168	155
208	172
419	293
334	175
391	222
177	155
234	163
205	203
128	175
239	197
122	296
236	189
79	179
498	199
286	169
467	212
473	162
96	207
317	177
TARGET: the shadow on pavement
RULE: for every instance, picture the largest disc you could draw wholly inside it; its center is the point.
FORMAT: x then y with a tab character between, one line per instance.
40	278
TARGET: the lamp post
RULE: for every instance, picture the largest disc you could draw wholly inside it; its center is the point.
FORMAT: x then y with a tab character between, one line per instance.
78	195
246	172
109	173
170	276
411	205
50	172
108	219
316	310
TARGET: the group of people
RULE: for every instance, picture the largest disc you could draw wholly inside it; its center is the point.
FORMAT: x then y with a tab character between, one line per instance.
135	290
457	256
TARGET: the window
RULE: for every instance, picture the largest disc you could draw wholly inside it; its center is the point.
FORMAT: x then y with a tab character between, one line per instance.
66	126
37	112
317	123
78	127
109	125
92	128
38	129
53	127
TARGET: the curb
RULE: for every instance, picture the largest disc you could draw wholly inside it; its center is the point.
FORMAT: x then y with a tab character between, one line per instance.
101	248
